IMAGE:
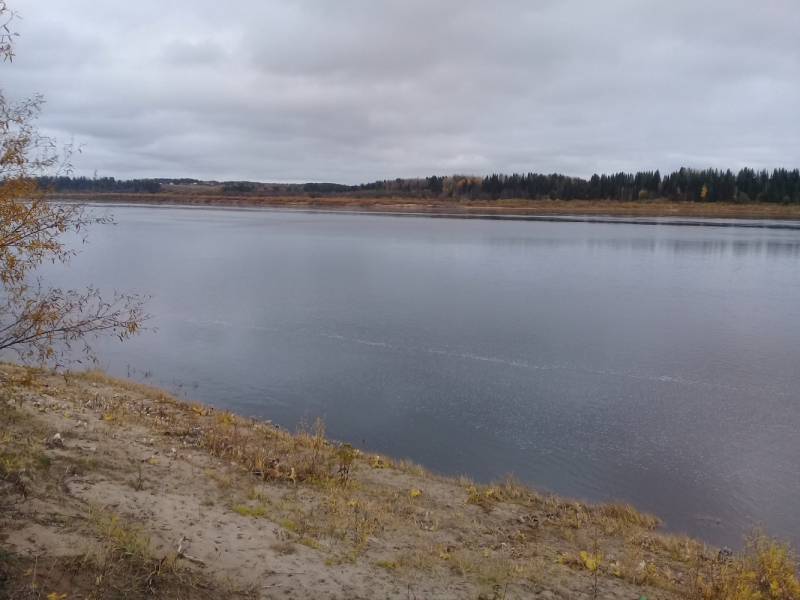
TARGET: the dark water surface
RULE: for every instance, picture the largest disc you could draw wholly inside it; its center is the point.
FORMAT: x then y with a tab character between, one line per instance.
654	361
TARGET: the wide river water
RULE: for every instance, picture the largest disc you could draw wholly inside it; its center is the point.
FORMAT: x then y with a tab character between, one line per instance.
653	361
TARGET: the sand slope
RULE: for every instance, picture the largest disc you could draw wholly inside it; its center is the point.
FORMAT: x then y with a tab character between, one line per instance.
132	467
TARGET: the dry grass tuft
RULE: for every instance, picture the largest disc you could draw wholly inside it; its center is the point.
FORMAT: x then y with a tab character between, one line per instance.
620	514
284	548
119	532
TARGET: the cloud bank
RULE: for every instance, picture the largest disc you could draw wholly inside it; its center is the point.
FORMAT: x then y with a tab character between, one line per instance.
358	90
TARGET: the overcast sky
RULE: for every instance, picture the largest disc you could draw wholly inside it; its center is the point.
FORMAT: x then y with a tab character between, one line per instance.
357	90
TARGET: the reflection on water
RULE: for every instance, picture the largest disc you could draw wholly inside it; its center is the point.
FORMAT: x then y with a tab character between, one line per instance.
647	360
679	246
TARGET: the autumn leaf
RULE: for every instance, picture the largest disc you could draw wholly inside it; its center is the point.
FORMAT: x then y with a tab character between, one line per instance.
591	562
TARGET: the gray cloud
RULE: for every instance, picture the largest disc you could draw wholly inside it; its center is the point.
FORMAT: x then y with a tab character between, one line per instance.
358	90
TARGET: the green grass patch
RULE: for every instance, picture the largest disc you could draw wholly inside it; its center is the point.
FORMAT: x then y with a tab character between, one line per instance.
249	511
310	543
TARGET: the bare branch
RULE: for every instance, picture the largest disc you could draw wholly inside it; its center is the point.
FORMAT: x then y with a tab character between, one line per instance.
43	324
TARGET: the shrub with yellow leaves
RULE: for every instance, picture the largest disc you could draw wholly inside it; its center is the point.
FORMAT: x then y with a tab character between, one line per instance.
43	324
764	571
590	561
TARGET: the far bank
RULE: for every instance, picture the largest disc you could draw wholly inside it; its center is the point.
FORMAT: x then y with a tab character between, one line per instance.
654	208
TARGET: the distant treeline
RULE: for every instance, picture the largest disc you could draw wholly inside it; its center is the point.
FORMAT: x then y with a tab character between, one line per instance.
686	185
101	184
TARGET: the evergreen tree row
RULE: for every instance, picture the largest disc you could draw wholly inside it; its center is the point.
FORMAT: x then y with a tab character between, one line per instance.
103	184
688	185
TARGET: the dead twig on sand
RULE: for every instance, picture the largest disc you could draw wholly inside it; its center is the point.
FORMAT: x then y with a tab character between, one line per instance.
183	555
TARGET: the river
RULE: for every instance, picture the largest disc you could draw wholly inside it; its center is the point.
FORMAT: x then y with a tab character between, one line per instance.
648	360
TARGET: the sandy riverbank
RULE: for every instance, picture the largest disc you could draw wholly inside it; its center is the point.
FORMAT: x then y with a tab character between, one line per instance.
112	489
655	208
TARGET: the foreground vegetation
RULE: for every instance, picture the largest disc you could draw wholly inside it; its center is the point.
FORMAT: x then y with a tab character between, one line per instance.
112	489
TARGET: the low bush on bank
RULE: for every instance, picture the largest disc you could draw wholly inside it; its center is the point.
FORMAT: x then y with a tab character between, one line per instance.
765	570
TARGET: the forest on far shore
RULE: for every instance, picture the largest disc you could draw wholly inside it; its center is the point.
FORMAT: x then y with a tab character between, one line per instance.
781	186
